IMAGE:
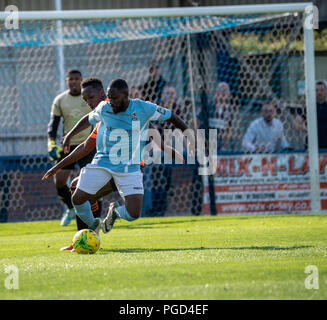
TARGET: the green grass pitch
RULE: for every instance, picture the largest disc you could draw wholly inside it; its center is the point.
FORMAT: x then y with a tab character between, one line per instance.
171	258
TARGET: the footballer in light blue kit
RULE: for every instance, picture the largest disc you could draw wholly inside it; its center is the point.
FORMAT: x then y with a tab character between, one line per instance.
121	137
129	128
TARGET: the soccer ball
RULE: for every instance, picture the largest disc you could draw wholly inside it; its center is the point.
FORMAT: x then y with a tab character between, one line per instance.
86	241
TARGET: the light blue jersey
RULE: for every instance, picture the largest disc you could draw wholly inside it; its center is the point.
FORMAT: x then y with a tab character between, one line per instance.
122	136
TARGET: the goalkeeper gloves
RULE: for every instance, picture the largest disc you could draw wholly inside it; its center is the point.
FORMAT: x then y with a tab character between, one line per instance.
54	150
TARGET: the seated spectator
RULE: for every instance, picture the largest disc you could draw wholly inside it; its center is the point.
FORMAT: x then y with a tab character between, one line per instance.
265	134
299	122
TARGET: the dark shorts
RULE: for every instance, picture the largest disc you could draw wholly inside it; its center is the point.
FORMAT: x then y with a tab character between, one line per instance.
81	162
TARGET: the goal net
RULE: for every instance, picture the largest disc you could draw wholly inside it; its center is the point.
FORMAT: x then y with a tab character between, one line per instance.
215	71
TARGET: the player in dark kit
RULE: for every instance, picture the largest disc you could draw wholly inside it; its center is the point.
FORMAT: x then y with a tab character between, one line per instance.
92	93
70	107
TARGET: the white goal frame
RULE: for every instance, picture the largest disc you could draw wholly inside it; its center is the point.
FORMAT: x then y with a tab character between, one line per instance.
60	15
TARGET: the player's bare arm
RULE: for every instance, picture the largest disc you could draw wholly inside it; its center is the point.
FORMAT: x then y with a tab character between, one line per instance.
180	124
81	151
170	150
166	148
177	122
80	126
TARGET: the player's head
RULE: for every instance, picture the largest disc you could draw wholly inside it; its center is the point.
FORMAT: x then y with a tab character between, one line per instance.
73	81
268	111
92	92
134	93
117	94
321	91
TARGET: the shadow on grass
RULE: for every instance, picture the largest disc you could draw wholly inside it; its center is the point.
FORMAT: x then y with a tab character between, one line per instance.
142	223
165	221
147	250
162	222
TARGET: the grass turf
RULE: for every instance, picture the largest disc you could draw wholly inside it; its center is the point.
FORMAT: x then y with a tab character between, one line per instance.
180	258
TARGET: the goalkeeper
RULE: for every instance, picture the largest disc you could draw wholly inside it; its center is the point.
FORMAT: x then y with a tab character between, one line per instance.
70	107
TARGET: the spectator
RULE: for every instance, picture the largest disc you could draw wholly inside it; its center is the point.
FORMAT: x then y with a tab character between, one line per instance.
152	89
219	114
300	120
265	134
134	93
161	174
321	94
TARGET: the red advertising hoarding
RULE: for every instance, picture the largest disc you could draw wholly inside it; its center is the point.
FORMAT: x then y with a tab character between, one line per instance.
278	183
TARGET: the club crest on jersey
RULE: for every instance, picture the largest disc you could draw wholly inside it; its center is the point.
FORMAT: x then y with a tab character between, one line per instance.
134	116
161	110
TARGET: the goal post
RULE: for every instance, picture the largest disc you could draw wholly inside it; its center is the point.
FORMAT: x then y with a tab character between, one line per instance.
261	52
312	118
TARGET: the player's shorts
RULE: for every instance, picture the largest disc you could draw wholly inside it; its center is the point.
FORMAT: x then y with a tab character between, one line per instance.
92	178
107	189
81	162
